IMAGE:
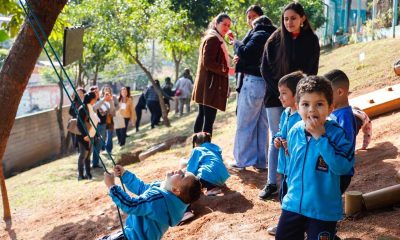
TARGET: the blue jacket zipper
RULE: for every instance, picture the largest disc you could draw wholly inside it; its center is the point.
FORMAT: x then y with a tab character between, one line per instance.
302	175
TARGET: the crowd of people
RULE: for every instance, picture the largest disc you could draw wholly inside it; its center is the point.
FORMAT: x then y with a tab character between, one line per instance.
291	122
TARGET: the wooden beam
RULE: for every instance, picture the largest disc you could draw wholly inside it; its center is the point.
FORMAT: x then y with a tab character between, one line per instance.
378	102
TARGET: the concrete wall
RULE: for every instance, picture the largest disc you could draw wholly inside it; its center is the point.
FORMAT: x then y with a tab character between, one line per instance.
35	138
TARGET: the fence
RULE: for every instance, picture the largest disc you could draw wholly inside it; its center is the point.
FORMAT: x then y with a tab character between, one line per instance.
35	139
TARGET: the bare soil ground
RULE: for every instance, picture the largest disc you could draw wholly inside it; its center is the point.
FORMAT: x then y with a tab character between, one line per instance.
238	214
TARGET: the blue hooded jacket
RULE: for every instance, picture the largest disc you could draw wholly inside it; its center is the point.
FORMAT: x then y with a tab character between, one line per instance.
151	212
206	163
286	123
345	117
314	170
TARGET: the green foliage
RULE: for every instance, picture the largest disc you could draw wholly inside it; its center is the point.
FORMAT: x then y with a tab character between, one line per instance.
11	9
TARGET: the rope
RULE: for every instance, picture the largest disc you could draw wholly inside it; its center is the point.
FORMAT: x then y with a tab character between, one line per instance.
68	95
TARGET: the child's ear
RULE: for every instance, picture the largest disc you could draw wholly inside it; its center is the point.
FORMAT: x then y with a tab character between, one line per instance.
340	91
176	191
330	109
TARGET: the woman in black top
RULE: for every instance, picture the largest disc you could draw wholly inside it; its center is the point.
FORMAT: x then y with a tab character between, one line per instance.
292	47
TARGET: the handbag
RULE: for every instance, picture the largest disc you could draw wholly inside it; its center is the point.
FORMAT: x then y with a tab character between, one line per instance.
119	121
178	92
72	126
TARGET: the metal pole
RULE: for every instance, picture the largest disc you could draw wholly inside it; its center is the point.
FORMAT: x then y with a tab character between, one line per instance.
346	16
395	15
326	23
373	9
358	15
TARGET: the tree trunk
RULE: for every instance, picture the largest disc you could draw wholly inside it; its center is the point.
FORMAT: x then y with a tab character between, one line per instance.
17	69
156	88
96	73
177	62
80	74
59	113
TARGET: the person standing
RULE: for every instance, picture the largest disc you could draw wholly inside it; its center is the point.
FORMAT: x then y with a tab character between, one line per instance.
141	105
184	87
167	88
251	129
102	108
125	109
253	12
87	129
153	103
294	46
73	110
211	87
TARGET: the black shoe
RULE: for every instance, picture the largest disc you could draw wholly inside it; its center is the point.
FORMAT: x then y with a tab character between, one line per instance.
89	176
268	191
81	177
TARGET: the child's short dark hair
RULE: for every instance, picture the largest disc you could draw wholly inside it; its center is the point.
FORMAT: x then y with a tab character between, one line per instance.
200	138
338	79
291	80
311	84
190	189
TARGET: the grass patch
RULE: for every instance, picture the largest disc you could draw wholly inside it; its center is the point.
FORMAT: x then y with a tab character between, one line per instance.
376	70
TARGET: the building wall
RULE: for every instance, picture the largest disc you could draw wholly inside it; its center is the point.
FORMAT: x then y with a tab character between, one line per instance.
35	138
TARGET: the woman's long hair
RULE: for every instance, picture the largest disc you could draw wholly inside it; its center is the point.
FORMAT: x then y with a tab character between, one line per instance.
282	60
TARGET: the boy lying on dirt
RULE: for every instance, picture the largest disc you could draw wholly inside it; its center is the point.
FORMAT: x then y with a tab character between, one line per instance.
156	207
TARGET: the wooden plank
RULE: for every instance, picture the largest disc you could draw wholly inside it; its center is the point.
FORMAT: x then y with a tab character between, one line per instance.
378	102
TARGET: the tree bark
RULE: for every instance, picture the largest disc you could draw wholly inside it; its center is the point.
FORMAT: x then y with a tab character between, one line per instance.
96	73
59	114
177	62
15	74
156	88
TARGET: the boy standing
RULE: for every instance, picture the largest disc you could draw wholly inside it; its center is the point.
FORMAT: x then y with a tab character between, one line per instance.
287	91
319	154
343	114
157	206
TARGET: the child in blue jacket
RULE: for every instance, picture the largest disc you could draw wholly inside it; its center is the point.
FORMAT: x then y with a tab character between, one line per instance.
287	91
206	163
319	153
343	114
156	206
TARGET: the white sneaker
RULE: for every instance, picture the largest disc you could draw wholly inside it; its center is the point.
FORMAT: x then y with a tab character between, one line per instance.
272	230
213	192
233	165
187	216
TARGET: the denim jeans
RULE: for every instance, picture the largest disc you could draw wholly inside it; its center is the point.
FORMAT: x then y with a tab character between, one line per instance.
273	117
184	101
251	126
98	143
109	142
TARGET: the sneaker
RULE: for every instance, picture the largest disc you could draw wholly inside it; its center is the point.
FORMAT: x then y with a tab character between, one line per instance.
268	191
272	230
89	176
213	192
81	178
260	170
96	166
187	216
234	166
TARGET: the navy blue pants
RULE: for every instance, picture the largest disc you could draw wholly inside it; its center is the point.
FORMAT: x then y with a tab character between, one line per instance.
293	226
283	188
